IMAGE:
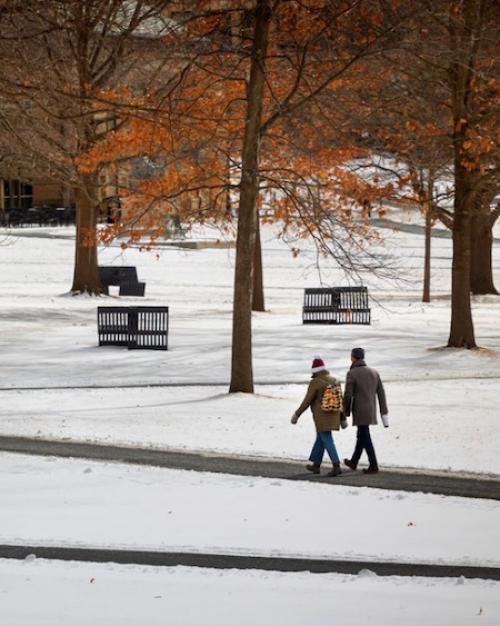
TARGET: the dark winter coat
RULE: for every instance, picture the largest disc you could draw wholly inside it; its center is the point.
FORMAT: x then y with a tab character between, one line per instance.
362	388
322	420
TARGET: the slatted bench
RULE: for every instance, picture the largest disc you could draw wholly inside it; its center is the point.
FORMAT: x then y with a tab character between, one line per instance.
336	305
139	327
124	277
39	216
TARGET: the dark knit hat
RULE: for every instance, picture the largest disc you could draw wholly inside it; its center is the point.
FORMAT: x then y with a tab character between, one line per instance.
358	353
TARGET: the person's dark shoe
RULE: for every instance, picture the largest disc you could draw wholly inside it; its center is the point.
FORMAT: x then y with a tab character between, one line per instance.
336	471
313	467
350	464
372	469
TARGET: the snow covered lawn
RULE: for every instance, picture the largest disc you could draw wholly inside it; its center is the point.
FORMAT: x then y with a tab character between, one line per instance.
78	594
449	425
444	414
443	404
49	339
49	501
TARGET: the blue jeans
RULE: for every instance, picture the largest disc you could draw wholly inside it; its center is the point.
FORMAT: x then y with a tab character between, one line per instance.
324	441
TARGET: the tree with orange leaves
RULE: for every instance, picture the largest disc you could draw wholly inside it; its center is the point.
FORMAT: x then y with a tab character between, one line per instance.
244	115
445	89
65	64
405	130
468	80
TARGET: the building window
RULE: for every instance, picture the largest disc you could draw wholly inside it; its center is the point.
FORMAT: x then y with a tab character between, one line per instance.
17	195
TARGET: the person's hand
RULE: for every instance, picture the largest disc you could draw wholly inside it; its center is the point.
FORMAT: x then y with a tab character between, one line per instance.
385	421
343	423
295	418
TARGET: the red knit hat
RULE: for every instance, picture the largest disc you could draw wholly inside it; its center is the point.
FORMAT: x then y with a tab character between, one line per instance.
318	365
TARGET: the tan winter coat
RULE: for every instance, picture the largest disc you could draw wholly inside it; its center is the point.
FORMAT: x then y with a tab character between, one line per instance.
323	421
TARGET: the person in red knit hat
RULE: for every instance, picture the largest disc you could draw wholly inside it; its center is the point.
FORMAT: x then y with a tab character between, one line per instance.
325	421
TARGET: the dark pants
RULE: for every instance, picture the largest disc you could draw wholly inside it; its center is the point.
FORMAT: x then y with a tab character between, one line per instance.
364	442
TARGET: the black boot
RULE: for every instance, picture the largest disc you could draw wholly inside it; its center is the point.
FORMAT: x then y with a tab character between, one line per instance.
313	467
336	471
350	464
371	469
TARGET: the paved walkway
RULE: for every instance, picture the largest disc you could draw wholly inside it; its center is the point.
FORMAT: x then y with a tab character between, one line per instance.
231	561
418	229
437	482
442	483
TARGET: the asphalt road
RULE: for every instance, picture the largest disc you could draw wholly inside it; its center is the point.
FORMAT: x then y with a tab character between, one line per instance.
231	561
442	483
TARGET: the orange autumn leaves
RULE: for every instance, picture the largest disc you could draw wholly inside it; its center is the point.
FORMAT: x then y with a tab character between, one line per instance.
189	127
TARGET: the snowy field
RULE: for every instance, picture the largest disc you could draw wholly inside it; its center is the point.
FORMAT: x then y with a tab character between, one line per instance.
453	425
77	503
444	415
78	594
443	403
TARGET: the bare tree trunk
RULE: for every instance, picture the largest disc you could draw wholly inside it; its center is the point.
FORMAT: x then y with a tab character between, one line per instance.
426	297
86	276
461	328
241	359
429	218
481	276
258	274
465	24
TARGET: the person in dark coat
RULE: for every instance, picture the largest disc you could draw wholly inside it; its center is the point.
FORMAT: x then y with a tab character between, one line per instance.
325	421
362	389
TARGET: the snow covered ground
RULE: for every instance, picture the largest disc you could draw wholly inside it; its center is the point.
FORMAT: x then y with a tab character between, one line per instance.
78	594
444	414
443	403
450	425
51	340
93	504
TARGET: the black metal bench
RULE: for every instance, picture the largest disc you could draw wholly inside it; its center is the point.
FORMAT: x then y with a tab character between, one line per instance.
39	216
124	277
139	327
336	305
